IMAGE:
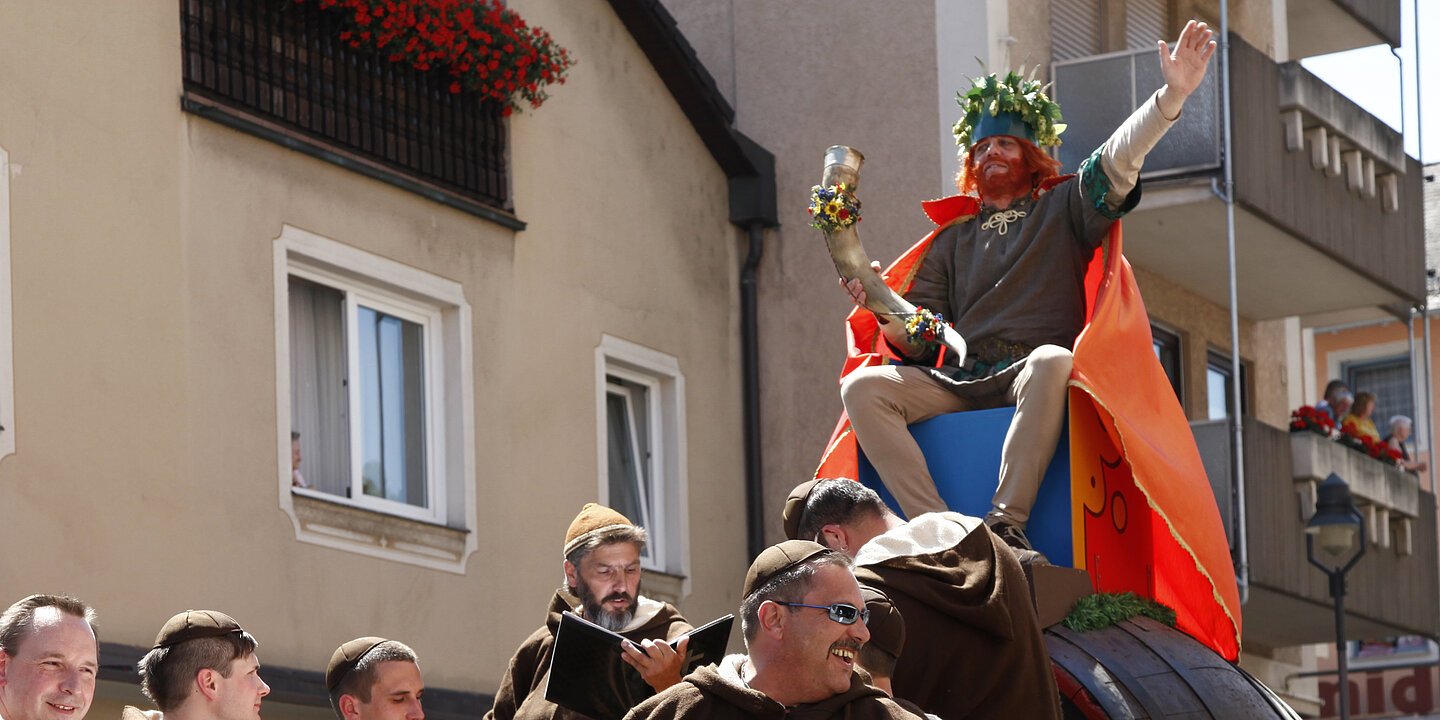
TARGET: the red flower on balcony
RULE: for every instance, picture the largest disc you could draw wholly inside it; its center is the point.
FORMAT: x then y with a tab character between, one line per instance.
486	48
1307	418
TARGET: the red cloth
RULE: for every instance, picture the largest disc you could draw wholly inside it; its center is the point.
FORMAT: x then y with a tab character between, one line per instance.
1166	541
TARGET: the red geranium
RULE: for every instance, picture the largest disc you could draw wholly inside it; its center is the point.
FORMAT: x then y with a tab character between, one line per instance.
484	46
1308	418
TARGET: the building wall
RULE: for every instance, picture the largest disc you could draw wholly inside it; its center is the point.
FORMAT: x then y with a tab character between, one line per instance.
807	75
145	339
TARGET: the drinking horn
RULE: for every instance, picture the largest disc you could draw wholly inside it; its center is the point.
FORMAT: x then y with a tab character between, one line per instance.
842	165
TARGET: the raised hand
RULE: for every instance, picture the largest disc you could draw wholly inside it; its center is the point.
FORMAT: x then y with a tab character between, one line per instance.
1184	66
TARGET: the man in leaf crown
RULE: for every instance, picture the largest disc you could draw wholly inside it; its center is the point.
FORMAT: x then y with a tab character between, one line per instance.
1008	268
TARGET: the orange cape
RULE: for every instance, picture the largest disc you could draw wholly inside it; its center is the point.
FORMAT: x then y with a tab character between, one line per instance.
1118	386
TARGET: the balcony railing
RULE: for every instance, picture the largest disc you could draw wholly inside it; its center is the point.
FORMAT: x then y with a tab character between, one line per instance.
1099	92
1317	178
279	66
1393	590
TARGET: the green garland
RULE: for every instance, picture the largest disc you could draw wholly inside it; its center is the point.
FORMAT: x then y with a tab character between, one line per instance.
1094	612
1012	93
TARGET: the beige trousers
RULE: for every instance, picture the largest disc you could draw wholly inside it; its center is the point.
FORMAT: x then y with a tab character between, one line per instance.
882	401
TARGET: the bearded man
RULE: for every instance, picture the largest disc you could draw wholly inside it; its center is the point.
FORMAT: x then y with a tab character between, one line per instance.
602	585
1009	272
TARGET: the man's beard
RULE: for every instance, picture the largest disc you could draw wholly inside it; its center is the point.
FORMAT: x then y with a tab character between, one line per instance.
614	621
1016	181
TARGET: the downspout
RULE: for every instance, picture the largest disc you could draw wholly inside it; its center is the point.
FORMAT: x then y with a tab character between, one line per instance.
1425	313
752	208
1237	425
750	371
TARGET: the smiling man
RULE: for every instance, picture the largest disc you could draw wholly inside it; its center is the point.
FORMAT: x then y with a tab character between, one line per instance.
805	624
973	647
602	585
372	678
203	667
48	659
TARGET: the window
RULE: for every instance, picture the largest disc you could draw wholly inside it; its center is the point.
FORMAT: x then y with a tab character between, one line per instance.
361	366
375	402
1219	389
641	422
1167	351
633	486
1389	379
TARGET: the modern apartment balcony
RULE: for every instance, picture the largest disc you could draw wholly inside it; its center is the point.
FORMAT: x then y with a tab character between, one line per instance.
1318	27
1328	206
1393	590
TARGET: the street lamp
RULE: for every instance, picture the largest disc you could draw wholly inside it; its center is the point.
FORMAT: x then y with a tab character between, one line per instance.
1337	524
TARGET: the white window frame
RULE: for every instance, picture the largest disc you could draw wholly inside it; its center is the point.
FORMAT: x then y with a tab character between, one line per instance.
660	374
438	305
428	318
7	341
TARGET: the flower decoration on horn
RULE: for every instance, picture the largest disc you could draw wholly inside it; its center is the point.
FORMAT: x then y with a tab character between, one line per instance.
833	207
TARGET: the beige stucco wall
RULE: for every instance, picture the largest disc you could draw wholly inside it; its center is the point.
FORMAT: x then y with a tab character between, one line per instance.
809	74
145	479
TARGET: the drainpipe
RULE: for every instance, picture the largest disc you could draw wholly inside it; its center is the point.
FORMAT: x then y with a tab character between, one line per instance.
1425	314
750	370
1237	426
752	208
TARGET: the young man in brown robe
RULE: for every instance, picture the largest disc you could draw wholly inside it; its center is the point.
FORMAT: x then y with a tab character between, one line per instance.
602	585
371	678
804	625
974	647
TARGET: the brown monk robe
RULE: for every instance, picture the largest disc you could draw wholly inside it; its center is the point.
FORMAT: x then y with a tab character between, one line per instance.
719	693
974	647
522	691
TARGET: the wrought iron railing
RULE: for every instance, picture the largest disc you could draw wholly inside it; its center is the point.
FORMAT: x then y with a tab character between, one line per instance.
282	63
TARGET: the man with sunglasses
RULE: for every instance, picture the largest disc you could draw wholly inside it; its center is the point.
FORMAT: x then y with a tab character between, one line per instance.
974	647
804	624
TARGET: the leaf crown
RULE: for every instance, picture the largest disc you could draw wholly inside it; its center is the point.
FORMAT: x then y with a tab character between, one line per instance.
1024	97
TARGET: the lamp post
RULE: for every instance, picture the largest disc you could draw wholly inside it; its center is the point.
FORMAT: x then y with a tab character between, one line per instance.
1337	524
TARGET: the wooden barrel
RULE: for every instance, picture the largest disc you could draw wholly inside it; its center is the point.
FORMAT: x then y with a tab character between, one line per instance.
1144	669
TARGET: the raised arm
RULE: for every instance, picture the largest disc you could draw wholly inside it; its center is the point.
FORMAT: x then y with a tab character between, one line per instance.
1183	68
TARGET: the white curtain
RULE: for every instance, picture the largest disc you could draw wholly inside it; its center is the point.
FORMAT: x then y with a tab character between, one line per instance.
319	401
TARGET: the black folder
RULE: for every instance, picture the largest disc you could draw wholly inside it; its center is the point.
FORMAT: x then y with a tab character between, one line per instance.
588	676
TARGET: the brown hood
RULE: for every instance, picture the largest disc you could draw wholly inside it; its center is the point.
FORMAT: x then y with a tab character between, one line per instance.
963	582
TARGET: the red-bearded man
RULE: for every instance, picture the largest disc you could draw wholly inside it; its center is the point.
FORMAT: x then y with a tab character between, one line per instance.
1011	280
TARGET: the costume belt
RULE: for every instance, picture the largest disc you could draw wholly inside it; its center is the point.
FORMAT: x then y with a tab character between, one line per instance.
992	355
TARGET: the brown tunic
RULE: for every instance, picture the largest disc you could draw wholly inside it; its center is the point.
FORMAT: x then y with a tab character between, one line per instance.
974	647
707	694
522	691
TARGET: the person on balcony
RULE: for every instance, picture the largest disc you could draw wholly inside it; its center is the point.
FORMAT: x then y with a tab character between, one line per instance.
1400	429
1011	279
1358	422
1337	400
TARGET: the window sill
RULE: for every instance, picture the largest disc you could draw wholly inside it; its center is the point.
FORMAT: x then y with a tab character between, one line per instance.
664	586
346	527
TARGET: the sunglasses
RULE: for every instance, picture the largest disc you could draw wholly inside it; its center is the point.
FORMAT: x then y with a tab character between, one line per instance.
839	612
